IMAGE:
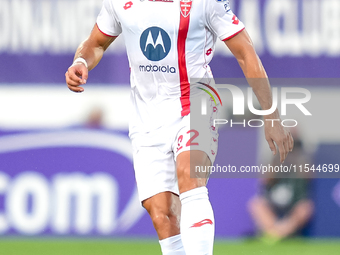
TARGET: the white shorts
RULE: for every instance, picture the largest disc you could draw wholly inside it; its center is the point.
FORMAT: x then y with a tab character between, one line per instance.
154	154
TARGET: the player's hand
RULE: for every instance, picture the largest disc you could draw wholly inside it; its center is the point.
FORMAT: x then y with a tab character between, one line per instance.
276	133
76	76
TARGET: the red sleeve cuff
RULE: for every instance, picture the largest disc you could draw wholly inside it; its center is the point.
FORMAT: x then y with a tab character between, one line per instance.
103	32
229	37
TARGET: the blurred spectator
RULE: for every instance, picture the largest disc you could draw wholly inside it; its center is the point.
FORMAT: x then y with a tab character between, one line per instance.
283	207
95	118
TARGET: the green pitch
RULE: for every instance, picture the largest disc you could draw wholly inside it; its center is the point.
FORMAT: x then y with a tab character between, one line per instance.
150	247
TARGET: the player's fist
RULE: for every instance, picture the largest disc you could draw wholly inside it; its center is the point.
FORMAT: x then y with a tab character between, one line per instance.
76	76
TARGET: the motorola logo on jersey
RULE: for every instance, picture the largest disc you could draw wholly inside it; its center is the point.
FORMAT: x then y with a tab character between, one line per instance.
155	43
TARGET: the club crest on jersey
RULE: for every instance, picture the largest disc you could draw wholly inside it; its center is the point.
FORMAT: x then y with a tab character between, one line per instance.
185	7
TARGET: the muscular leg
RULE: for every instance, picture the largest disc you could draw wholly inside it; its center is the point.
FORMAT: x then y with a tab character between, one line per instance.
164	209
185	164
197	218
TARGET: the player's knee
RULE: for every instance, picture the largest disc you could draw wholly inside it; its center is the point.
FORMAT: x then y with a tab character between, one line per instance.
162	214
162	218
159	219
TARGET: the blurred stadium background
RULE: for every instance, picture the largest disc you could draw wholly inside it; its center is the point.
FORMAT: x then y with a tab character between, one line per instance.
66	179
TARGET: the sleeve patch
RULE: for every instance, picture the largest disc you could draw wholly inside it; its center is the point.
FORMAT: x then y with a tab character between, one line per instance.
226	4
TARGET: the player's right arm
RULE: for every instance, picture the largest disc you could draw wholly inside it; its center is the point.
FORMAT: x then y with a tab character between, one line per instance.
91	50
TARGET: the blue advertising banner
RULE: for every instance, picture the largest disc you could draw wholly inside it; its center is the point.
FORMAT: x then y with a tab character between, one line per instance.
67	182
81	182
326	194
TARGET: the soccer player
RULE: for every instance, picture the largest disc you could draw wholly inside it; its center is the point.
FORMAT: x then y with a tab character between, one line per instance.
169	43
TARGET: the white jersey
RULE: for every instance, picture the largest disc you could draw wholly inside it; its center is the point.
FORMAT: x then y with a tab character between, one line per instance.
169	43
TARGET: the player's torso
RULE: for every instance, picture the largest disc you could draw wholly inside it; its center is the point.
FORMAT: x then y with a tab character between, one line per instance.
165	41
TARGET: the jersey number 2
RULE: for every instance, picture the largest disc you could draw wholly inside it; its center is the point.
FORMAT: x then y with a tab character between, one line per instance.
189	142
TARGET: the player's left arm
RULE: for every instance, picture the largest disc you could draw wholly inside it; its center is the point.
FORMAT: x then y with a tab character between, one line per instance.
242	48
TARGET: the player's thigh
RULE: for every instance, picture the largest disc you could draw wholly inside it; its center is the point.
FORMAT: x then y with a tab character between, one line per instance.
192	169
154	171
195	151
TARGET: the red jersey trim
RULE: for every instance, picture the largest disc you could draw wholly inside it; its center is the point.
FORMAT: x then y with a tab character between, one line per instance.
182	65
233	35
103	32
